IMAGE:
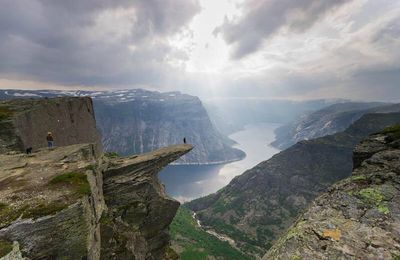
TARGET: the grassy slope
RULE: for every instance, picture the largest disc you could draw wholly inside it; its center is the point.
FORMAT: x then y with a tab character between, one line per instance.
193	243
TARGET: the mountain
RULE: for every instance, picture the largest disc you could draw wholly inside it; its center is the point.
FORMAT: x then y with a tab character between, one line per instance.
137	121
74	201
259	205
327	121
359	217
233	114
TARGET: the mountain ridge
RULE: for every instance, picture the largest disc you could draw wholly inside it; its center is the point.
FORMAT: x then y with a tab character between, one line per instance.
257	206
137	121
327	121
358	217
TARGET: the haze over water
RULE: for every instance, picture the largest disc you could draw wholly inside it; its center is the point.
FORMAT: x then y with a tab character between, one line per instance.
188	182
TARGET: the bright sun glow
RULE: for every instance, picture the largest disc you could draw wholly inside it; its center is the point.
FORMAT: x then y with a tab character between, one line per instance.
205	51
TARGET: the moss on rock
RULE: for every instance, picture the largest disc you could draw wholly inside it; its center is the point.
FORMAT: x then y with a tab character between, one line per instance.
393	131
75	179
371	195
9	214
5	112
5	247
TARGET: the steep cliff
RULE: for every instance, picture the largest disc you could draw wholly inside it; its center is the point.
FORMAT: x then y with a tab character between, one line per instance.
25	123
137	121
73	201
330	120
150	120
359	217
259	205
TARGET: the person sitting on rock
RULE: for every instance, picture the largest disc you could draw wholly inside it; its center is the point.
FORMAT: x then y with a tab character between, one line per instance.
50	140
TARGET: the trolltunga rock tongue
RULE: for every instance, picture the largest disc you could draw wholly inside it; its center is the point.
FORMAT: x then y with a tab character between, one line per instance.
72	203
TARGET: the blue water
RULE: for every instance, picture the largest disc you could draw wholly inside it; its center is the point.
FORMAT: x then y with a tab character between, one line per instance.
187	182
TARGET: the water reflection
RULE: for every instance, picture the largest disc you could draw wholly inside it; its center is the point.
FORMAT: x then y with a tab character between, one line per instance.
192	181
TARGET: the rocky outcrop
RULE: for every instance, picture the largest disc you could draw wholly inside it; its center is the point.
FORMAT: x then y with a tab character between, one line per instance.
330	120
258	206
25	123
137	121
359	217
139	212
72	203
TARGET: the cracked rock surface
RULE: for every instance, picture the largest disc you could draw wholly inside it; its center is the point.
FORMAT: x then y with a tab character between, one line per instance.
359	217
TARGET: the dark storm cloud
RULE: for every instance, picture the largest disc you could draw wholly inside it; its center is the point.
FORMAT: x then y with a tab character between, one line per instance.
75	41
264	18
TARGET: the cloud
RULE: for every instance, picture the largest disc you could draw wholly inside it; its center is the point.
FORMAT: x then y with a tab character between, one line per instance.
86	42
264	18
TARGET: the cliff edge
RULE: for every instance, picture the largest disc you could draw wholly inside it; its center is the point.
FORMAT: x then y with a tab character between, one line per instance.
359	217
73	201
70	203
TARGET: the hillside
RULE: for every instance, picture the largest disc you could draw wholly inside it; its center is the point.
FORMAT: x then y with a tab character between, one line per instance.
359	217
259	205
137	121
330	120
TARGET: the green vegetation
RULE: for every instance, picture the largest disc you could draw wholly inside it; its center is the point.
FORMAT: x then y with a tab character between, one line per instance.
358	177
75	179
393	131
371	195
43	209
383	209
374	196
198	244
90	167
170	254
5	112
5	247
3	205
111	154
8	213
251	245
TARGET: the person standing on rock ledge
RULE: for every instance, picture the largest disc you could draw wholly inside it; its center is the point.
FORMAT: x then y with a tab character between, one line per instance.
50	140
184	140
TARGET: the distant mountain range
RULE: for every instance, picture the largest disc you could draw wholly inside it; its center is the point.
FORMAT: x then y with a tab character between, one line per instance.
326	121
233	114
256	207
137	121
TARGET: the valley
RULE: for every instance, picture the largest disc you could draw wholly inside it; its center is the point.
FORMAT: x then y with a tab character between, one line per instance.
187	182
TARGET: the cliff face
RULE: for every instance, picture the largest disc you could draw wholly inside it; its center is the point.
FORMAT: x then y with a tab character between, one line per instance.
150	120
70	203
256	207
25	123
74	202
139	212
137	121
359	217
330	120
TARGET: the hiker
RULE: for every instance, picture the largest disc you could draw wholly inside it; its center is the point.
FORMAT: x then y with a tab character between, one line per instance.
184	140
50	140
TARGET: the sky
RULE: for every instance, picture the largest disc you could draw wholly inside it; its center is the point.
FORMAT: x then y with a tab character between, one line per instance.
283	49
